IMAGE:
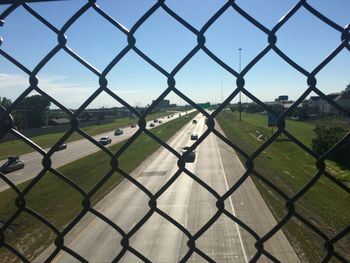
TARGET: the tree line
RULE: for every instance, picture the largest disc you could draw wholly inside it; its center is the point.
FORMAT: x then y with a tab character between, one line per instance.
31	112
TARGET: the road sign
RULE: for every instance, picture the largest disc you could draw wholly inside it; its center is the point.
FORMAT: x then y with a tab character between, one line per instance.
272	120
204	105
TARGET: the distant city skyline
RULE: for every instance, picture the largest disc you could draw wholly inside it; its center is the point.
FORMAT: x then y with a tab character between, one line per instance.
304	38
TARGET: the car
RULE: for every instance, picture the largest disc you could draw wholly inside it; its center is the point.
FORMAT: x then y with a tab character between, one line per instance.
13	163
105	140
155	120
194	122
160	121
118	131
190	157
194	136
62	147
133	125
152	124
168	117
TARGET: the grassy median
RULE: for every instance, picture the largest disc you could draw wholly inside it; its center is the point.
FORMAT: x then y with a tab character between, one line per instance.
18	147
60	203
286	165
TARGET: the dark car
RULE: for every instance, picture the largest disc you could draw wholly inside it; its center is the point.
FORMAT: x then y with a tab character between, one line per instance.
194	122
194	136
62	147
160	121
105	140
118	131
155	120
152	124
133	125
191	157
13	163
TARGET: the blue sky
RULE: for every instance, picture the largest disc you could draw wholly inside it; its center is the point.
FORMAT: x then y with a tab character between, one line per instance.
305	39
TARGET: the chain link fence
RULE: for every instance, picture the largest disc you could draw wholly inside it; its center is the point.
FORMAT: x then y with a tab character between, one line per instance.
7	127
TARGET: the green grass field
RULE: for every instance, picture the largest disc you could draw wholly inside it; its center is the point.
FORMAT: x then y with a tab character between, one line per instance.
18	147
290	168
60	203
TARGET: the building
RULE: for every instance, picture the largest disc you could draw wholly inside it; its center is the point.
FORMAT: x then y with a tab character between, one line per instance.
344	98
319	107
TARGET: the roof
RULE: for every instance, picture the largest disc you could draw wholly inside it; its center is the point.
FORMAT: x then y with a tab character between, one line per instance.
60	120
343	96
332	96
315	98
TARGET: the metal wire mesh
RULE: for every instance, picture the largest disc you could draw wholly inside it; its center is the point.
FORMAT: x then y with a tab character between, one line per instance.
7	127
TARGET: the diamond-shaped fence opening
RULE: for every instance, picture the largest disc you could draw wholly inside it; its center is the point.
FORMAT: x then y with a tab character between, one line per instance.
28	205
225	29
24	34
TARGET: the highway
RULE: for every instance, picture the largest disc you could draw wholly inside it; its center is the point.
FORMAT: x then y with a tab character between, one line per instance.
185	201
75	150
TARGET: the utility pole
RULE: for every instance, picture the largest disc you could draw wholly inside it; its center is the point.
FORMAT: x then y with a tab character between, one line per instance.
240	95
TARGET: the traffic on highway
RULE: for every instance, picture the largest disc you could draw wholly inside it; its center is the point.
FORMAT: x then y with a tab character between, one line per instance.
187	202
29	165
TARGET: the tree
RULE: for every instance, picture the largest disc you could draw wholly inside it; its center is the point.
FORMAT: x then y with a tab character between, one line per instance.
32	112
5	102
254	108
301	112
277	108
100	116
85	115
326	138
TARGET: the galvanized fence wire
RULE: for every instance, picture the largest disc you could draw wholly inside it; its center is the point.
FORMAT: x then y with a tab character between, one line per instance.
7	127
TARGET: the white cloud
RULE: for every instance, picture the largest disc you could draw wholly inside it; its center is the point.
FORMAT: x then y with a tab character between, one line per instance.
70	94
9	81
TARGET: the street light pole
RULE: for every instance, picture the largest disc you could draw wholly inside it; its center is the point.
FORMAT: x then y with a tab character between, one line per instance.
240	95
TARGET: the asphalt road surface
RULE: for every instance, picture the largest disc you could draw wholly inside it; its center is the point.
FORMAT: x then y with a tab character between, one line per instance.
75	150
185	201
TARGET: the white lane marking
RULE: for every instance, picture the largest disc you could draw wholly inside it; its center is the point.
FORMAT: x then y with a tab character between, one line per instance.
233	210
89	226
58	256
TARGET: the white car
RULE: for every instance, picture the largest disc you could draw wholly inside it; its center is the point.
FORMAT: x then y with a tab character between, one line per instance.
118	131
105	140
13	163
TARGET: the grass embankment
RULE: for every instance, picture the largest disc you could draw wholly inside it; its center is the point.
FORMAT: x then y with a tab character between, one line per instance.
60	203
18	147
290	168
